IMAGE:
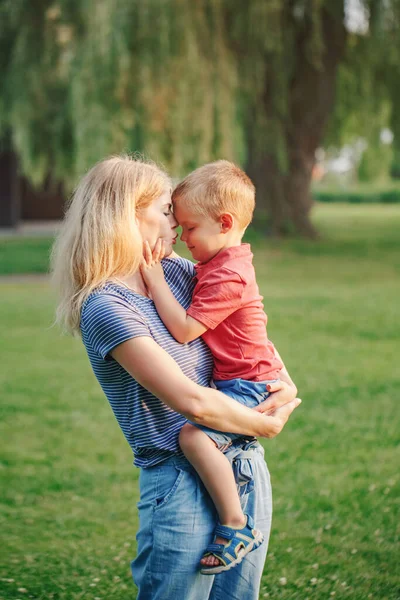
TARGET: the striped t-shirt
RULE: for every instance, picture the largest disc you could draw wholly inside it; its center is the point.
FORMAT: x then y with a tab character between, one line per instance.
114	314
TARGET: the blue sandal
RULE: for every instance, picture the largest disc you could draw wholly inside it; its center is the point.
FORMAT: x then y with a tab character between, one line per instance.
241	542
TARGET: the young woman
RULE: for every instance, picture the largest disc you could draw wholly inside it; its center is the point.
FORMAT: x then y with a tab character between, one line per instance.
153	383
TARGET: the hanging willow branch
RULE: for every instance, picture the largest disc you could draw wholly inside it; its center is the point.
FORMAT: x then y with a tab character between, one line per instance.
183	81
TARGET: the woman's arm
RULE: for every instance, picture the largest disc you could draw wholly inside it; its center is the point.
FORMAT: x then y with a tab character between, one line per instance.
156	371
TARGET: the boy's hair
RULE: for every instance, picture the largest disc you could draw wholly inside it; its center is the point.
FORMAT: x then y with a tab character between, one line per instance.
215	188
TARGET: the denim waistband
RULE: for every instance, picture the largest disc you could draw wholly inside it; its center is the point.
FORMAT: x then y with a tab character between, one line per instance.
178	460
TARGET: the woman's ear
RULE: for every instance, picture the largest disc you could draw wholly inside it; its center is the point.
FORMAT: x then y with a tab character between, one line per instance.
227	222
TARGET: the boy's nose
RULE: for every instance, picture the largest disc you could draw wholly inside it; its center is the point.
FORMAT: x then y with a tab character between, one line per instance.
183	237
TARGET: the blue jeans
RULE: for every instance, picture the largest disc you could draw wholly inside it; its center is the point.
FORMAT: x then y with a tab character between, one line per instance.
177	520
249	393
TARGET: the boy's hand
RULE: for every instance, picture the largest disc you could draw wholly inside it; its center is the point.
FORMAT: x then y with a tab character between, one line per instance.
151	269
280	393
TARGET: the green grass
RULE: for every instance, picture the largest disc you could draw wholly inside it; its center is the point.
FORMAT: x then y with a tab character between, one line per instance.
69	492
24	255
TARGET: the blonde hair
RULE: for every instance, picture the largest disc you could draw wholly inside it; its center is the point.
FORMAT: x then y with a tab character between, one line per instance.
215	188
99	237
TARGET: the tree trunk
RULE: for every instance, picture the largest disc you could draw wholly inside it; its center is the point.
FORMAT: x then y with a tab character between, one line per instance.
285	194
10	207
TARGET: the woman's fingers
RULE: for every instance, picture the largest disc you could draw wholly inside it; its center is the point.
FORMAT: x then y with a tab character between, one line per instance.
281	415
276	422
274	386
280	395
284	412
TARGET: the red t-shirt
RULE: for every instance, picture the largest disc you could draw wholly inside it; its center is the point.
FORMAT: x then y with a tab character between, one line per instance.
227	301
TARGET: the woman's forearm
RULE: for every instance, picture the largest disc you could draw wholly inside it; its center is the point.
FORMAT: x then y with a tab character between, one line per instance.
218	411
205	406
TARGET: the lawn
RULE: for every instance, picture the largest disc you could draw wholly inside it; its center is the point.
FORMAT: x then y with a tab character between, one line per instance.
24	255
69	491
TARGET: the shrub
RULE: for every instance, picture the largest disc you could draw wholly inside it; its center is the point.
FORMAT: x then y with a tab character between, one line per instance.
358	197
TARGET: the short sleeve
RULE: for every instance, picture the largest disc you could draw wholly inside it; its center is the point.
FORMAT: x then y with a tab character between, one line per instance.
216	297
107	321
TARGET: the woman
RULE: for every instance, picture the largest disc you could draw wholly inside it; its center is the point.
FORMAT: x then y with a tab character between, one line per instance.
153	383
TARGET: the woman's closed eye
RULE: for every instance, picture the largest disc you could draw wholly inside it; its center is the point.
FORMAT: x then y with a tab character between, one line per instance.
168	211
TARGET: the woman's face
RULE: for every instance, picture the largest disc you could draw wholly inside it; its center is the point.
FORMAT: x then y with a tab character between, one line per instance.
157	221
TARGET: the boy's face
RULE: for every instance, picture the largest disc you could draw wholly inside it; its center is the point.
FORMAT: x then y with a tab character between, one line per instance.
202	235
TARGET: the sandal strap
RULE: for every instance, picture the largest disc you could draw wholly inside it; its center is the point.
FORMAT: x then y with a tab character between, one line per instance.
212	548
240	542
229	533
223	531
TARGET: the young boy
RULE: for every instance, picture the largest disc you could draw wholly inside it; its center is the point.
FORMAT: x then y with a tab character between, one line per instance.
214	205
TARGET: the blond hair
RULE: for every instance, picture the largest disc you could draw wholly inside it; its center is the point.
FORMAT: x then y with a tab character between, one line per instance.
99	237
216	188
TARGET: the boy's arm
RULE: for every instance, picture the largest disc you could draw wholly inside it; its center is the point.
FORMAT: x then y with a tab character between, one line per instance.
179	324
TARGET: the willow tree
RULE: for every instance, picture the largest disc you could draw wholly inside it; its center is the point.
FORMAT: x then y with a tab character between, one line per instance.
312	74
183	82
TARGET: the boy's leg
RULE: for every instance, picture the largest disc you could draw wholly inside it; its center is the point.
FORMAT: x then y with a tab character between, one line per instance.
243	582
176	522
216	473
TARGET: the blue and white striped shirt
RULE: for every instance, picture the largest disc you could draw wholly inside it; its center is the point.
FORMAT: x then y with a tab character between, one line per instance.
114	314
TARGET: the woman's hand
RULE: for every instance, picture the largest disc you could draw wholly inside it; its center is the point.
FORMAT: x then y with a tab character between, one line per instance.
151	269
281	393
279	406
202	405
278	419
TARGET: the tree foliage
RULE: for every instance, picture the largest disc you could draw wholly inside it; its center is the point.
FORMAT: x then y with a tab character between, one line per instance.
186	82
81	80
368	89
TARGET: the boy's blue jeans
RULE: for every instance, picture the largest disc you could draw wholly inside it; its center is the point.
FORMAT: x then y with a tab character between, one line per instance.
177	520
249	393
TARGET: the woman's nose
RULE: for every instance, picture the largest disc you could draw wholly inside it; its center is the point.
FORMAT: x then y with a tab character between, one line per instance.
173	221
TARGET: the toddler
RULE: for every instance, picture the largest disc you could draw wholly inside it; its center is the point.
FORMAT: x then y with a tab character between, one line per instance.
214	205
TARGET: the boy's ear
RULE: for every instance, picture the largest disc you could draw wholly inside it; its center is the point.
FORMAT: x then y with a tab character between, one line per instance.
226	220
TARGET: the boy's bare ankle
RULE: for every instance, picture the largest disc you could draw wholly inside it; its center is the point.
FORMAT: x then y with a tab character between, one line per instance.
235	522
